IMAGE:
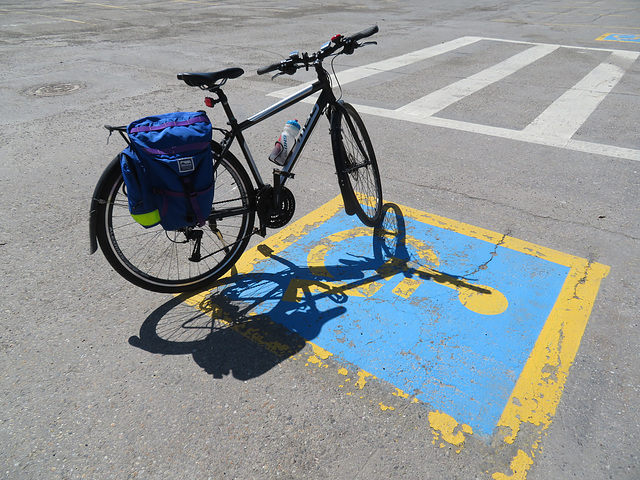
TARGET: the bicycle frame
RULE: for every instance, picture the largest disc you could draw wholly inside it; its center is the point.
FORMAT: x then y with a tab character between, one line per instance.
280	175
196	255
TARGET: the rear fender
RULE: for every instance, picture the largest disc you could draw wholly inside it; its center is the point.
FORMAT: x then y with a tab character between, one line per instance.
99	197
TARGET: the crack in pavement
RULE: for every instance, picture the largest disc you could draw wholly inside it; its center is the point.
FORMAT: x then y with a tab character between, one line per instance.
493	255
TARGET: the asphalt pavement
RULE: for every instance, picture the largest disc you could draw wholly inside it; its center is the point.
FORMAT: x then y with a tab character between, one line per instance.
506	134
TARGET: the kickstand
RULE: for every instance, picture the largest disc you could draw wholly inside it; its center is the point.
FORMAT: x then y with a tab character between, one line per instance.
196	235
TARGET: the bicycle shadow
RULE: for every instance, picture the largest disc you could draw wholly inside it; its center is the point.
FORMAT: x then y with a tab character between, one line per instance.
221	344
237	327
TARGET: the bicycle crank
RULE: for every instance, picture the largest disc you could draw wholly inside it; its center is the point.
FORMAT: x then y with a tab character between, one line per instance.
276	216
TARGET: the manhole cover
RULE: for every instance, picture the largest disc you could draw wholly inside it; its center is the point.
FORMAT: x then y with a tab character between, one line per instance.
55	89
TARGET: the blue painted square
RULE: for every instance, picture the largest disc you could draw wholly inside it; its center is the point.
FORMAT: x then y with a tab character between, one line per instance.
424	340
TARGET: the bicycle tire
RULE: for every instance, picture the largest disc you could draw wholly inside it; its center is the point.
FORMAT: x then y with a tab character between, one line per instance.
356	164
158	260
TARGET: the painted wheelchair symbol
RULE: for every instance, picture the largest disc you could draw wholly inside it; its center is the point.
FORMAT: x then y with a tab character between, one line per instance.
481	299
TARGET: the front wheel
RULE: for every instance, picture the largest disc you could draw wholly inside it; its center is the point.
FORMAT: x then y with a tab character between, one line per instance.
182	260
356	164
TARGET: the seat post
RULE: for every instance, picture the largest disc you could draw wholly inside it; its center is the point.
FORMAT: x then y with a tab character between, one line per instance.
222	98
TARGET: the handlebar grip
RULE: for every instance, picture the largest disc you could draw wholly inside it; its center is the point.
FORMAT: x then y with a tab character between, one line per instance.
364	33
269	68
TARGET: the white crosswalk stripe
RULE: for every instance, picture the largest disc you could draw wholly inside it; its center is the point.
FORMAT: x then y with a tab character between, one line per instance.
555	126
439	100
567	114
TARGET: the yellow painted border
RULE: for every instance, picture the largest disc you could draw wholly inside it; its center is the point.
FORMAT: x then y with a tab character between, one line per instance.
537	392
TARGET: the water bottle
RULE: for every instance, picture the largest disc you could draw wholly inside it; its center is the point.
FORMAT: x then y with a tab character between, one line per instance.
284	144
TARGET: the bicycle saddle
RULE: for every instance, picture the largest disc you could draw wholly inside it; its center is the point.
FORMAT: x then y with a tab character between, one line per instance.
209	79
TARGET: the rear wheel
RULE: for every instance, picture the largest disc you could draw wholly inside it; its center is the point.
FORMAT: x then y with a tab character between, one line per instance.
356	164
182	260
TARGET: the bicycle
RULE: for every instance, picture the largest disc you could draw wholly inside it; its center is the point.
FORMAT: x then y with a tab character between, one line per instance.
192	258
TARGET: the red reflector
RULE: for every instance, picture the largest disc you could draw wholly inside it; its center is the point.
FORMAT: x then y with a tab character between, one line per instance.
208	101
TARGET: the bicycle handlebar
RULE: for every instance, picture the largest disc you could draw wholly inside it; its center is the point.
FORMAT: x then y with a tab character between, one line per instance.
367	32
295	60
268	68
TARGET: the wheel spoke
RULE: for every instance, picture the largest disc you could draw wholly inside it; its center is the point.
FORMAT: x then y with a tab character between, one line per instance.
159	260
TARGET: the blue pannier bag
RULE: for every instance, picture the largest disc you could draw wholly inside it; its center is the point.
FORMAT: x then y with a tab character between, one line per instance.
168	170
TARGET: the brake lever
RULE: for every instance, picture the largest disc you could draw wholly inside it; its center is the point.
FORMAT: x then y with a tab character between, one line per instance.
290	70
